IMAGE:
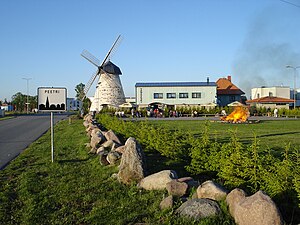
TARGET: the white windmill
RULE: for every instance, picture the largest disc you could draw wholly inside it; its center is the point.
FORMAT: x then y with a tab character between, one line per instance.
109	90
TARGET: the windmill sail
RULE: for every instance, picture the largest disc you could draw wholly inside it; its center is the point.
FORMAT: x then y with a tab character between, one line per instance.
89	57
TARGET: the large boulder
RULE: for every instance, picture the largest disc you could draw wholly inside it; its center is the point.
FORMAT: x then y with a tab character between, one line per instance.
212	190
110	135
158	181
255	209
177	188
199	208
133	166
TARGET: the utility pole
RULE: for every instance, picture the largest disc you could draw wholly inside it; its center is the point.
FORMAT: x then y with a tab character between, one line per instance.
295	73
27	101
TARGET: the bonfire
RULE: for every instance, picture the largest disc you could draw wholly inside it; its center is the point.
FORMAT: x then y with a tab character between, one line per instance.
239	115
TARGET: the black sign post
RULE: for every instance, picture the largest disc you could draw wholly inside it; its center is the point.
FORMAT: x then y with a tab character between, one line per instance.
51	100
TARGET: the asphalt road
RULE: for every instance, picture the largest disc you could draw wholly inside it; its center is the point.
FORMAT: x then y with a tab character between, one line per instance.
18	133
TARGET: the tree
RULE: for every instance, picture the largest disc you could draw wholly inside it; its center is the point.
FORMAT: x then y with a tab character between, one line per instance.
19	101
80	91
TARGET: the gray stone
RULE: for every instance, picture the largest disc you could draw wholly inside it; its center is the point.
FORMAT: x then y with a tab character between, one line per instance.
132	167
176	188
95	142
166	203
100	149
96	132
88	117
256	209
108	144
158	181
190	182
110	135
212	190
102	158
199	208
90	128
85	123
120	149
114	176
113	157
92	151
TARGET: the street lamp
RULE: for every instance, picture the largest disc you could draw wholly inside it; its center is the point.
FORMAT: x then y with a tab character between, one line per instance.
27	101
295	72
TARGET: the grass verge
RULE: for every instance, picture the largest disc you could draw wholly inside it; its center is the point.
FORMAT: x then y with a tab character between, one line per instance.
76	189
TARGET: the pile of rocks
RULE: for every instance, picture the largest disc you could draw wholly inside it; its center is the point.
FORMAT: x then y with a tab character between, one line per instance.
256	209
106	144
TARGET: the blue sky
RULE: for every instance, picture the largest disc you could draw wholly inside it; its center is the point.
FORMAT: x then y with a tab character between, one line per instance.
163	40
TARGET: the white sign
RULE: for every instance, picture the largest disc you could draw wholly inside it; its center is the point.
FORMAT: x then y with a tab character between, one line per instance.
52	99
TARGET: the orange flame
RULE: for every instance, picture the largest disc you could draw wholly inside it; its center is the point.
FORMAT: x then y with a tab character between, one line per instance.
239	115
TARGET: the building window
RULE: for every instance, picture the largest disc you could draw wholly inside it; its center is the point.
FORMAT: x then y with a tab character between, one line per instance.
270	94
232	98
196	95
158	95
183	95
171	95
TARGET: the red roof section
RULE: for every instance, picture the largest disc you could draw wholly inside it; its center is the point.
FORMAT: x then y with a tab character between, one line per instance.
225	87
269	99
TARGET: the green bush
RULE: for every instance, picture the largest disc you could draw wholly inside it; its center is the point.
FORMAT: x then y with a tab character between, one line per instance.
234	163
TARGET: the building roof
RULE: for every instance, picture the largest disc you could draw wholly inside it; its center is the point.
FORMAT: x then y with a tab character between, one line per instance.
269	99
175	84
225	87
111	68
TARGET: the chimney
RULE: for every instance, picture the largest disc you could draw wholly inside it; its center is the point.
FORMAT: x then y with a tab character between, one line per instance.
229	78
207	80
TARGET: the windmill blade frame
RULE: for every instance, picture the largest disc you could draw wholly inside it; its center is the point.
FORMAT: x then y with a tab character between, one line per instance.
89	84
111	50
90	57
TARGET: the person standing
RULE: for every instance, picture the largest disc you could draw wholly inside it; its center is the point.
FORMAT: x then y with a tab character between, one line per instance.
275	112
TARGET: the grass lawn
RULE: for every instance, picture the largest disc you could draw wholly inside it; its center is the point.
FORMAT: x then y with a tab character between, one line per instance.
271	134
76	189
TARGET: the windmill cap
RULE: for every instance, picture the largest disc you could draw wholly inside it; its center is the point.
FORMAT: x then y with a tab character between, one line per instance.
111	68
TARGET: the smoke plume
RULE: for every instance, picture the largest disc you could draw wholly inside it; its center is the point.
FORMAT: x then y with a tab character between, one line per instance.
262	58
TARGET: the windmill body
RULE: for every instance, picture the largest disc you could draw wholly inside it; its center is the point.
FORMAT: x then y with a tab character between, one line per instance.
109	91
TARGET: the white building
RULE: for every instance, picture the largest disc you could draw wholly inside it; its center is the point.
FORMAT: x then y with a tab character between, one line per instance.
280	91
271	97
174	94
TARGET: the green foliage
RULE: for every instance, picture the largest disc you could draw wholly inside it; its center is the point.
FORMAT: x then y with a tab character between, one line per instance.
86	105
203	152
80	91
169	143
232	162
19	101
